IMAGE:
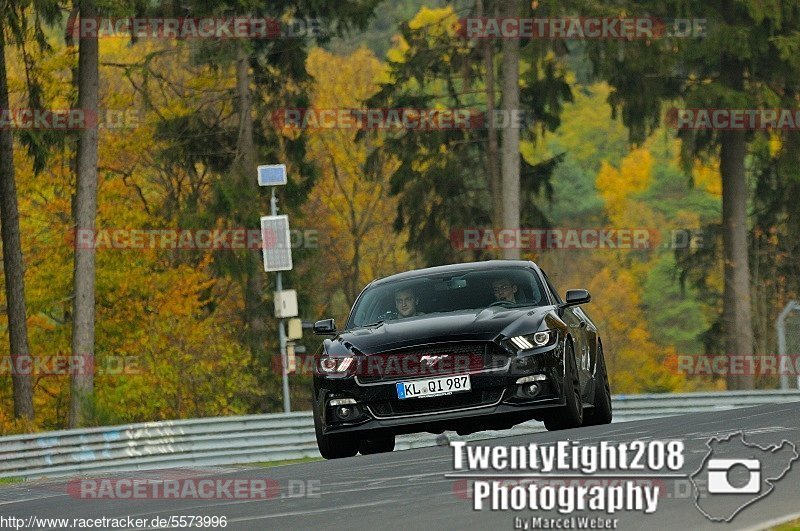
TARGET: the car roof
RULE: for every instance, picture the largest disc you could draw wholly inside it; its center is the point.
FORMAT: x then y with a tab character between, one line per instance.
487	265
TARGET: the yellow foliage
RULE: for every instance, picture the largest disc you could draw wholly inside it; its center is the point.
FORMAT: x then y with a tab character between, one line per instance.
437	21
617	186
435	25
351	207
185	359
775	143
707	177
397	53
636	363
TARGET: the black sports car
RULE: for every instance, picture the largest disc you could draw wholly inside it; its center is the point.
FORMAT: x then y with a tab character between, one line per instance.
464	347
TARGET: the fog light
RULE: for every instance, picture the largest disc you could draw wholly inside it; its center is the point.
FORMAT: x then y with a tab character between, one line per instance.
344	412
531	389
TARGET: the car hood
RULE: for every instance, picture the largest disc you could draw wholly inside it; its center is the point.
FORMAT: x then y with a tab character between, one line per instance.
476	325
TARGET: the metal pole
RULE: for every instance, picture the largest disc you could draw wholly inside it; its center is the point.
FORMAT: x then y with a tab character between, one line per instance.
780	325
287	405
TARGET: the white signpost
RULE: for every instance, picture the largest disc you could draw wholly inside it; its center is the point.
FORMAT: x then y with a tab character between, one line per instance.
277	249
276	242
272	175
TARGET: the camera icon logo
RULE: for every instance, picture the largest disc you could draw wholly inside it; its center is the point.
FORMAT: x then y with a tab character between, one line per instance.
736	473
719	481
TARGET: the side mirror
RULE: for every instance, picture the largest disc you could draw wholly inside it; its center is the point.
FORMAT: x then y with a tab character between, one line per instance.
325	327
576	297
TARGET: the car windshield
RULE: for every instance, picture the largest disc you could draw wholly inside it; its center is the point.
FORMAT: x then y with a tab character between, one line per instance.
451	292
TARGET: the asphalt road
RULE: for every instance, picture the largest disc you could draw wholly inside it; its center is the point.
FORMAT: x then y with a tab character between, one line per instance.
410	490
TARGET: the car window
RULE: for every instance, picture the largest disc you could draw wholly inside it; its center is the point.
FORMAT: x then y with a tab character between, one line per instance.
451	292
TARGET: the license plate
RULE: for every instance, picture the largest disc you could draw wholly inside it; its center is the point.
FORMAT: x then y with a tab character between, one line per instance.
433	387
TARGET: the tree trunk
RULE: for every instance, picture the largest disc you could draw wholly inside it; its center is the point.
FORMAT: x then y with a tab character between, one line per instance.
736	297
83	304
246	172
355	271
13	265
738	326
511	156
492	150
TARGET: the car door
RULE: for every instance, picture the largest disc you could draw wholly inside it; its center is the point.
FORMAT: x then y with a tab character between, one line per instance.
578	325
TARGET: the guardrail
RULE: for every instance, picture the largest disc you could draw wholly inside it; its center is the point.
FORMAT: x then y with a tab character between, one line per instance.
274	437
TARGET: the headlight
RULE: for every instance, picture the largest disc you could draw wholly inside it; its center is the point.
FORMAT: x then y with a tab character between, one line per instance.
329	365
532	341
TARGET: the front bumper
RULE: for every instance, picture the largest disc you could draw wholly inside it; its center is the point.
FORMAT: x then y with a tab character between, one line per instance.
495	401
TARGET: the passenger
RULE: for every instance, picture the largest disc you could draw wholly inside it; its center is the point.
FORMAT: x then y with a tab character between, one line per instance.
505	290
406	303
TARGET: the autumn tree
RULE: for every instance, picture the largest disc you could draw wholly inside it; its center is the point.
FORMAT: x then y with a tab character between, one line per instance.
441	179
13	265
22	21
511	104
83	316
744	58
268	74
489	8
351	199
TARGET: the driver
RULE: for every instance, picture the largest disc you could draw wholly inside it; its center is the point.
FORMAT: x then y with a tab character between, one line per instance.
505	290
406	303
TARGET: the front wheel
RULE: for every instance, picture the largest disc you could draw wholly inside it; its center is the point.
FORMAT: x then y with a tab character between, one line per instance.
333	446
601	413
571	415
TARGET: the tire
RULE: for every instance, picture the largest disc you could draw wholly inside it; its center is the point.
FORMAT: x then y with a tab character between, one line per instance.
378	445
333	446
601	413
571	415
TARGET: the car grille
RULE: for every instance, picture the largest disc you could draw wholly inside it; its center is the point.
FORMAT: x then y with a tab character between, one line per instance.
451	358
410	406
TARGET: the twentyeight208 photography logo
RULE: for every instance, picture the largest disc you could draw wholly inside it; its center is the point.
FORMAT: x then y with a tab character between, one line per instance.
735	474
